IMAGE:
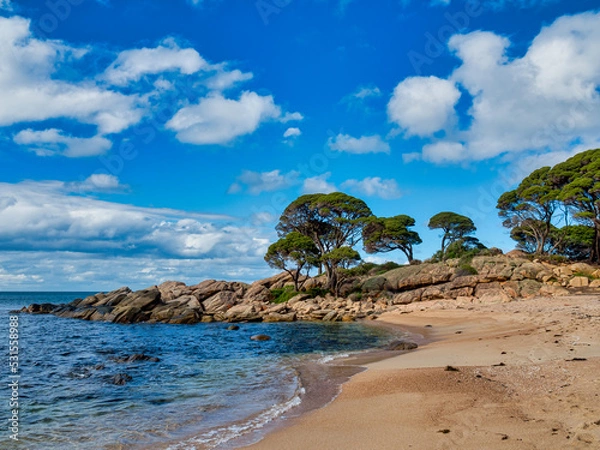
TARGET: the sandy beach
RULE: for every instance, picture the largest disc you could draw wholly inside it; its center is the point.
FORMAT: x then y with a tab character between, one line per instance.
517	375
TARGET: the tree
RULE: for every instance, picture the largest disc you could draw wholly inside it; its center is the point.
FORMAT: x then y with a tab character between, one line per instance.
331	221
575	242
293	253
454	226
385	234
529	209
578	181
342	258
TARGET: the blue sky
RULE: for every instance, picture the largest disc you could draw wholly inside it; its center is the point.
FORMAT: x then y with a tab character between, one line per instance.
147	140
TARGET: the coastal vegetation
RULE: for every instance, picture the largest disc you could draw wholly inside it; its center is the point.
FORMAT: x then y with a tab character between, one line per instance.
554	212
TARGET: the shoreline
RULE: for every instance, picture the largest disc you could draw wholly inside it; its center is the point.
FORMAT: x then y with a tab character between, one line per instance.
525	378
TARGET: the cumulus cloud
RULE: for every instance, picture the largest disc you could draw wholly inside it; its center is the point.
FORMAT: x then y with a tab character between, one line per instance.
219	120
366	92
444	152
32	93
423	105
292	132
99	182
374	187
361	145
318	185
224	79
45	216
131	65
292	117
258	182
52	142
544	101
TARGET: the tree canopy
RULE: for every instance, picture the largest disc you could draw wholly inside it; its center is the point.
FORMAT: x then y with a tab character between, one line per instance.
331	221
529	209
385	234
293	253
454	226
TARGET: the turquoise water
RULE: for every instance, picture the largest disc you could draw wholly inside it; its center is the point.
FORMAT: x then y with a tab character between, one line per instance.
210	384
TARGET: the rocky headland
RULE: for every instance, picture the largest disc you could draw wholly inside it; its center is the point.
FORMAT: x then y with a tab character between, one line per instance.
485	279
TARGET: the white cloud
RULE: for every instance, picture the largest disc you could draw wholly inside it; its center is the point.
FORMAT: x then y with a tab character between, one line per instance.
258	182
99	182
365	92
292	117
292	132
361	145
444	152
131	65
219	120
53	142
46	216
374	187
6	4
227	79
32	93
546	101
423	105
318	185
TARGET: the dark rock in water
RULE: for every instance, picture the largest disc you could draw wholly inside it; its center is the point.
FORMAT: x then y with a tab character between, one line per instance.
233	327
402	345
260	337
134	358
45	308
120	379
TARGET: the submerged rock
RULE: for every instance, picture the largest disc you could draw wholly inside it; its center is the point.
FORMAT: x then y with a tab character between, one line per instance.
121	379
134	358
260	337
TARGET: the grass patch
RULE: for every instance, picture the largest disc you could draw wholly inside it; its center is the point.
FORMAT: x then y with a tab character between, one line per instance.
465	270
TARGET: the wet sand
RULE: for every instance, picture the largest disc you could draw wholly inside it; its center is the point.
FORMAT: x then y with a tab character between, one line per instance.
522	375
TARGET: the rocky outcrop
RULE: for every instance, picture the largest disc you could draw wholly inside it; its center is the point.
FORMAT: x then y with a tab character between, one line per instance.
485	280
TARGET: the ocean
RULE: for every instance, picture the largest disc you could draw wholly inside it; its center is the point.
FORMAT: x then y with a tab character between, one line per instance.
211	387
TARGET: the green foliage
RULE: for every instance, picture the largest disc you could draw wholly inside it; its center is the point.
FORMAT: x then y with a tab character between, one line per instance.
333	222
316	292
467	247
282	295
576	242
292	253
454	226
578	179
372	269
529	210
385	234
466	269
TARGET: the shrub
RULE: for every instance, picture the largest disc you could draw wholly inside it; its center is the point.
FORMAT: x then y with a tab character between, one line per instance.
465	270
282	295
316	292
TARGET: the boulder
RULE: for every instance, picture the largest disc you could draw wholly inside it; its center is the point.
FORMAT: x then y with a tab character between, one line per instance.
408	297
582	268
579	282
554	291
188	316
260	337
595	284
402	345
126	314
259	293
145	299
276	317
276	281
241	312
168	289
529	288
114	298
219	302
209	288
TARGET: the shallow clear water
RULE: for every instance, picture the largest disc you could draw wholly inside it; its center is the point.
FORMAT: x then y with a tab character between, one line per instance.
207	379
